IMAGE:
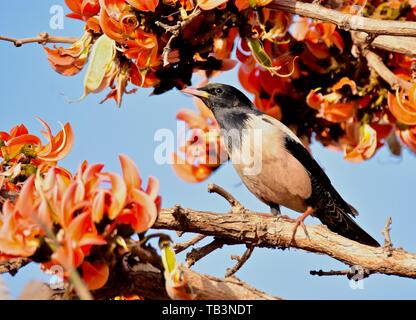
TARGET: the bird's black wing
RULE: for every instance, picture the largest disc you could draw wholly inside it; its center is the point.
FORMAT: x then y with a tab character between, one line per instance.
329	206
319	179
309	163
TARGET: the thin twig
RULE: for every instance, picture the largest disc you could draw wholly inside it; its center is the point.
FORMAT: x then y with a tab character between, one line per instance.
376	63
42	38
179	247
198	253
388	245
355	273
346	21
322	273
236	206
240	261
175	31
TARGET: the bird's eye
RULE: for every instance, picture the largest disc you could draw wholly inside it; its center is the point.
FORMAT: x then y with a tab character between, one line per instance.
218	90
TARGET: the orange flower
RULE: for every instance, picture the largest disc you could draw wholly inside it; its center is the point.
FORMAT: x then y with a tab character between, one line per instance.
76	241
403	105
223	47
83	9
408	136
95	275
280	23
204	150
318	36
118	88
19	231
117	22
20	143
330	106
144	5
178	286
141	206
210	4
140	78
244	4
70	61
114	8
74	208
58	146
143	49
365	138
188	5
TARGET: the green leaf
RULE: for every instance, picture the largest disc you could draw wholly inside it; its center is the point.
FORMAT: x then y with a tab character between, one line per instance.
168	256
262	58
256	47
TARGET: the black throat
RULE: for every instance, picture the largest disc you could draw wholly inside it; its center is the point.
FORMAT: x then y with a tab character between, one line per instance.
232	122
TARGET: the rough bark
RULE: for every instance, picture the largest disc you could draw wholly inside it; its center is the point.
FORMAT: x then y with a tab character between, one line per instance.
263	230
346	21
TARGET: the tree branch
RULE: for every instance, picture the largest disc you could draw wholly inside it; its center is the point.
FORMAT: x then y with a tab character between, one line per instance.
143	276
179	247
357	273
403	45
12	266
175	31
140	277
376	63
198	253
42	38
240	261
269	231
344	20
236	206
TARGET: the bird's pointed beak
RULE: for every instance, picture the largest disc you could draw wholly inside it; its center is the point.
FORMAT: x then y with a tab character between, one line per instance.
196	92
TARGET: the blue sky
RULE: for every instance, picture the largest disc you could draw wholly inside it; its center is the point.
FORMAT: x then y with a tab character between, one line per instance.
379	188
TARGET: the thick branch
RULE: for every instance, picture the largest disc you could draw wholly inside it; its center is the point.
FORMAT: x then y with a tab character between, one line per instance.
143	279
42	38
137	277
346	21
269	231
403	45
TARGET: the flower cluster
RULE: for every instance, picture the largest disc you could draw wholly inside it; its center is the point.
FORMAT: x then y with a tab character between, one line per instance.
300	71
79	222
203	150
135	42
23	153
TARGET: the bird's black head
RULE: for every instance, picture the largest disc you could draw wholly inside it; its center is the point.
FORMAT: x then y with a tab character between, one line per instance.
220	97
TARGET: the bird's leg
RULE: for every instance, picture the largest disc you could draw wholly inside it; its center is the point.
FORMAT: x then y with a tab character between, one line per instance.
299	222
275	211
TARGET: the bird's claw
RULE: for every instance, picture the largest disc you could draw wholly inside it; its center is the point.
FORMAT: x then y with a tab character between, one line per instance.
285	218
299	222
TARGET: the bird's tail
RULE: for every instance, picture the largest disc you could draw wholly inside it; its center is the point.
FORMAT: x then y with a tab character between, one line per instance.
341	222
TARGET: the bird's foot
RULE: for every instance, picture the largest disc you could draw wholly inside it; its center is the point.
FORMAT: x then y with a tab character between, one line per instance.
299	222
285	218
